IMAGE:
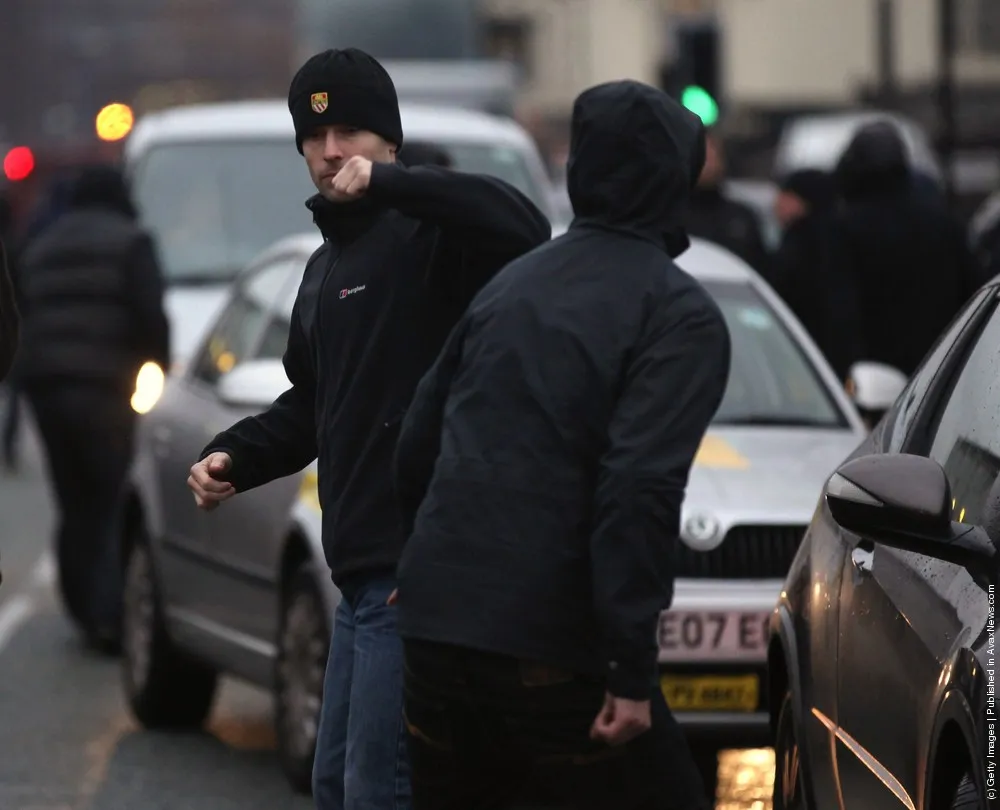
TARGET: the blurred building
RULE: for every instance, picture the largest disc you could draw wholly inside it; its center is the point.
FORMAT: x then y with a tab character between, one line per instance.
391	29
825	52
62	61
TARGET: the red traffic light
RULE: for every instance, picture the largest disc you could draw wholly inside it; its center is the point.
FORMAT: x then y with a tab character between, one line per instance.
18	164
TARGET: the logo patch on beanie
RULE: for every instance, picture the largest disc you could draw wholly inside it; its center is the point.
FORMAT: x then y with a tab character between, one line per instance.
319	102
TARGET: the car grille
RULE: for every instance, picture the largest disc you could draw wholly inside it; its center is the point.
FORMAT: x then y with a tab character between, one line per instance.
747	552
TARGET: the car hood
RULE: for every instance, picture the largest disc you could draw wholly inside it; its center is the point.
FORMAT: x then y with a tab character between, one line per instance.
764	476
190	311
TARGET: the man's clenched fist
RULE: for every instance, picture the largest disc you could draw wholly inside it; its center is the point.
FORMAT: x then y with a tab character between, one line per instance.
351	182
205	480
621	720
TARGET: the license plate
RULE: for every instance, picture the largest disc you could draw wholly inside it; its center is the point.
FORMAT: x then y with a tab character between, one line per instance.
713	635
722	693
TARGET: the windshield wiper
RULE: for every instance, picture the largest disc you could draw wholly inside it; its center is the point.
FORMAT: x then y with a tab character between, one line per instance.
773	420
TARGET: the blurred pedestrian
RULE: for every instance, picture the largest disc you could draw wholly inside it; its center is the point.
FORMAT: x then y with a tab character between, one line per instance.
802	274
541	468
423	154
902	263
93	314
714	216
10	318
51	206
404	252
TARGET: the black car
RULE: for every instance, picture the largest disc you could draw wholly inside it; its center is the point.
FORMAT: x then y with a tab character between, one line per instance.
882	664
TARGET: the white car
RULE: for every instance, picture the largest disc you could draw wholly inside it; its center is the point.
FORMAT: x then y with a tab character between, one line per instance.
217	183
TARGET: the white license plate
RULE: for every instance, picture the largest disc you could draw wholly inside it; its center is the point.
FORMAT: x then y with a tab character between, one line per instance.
713	635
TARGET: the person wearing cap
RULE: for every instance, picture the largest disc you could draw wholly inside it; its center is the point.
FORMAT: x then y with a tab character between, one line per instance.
404	251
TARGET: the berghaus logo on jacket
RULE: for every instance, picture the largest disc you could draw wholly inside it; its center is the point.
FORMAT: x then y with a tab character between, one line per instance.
351	291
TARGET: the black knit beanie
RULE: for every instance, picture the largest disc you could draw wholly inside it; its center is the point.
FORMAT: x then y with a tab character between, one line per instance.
346	87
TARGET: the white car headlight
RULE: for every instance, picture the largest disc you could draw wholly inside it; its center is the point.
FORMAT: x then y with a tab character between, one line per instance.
148	388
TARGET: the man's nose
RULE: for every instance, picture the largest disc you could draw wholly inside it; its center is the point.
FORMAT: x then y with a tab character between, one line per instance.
332	150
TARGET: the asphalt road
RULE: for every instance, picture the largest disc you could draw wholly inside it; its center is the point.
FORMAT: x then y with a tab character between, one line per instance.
68	743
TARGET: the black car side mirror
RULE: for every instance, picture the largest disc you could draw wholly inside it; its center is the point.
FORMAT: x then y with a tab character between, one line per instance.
904	501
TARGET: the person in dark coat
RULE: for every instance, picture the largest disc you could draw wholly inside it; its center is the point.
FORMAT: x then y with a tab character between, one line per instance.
9	328
902	264
727	222
404	251
52	205
541	470
801	272
93	313
10	318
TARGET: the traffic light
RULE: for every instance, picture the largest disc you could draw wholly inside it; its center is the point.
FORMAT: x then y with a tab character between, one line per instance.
18	164
114	122
700	102
694	78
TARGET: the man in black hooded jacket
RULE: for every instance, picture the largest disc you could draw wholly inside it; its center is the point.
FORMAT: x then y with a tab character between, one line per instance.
541	468
405	249
901	265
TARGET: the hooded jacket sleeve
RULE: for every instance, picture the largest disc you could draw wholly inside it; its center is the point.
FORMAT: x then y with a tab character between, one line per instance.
420	433
281	440
672	389
10	319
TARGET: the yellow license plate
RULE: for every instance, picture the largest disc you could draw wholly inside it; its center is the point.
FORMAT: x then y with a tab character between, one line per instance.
715	693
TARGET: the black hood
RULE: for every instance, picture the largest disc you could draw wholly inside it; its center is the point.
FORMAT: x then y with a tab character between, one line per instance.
635	155
875	162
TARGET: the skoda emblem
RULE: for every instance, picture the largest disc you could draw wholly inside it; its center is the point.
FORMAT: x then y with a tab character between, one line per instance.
702	532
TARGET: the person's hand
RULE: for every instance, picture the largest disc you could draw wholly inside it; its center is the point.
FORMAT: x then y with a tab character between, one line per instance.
621	720
351	182
393	597
204	481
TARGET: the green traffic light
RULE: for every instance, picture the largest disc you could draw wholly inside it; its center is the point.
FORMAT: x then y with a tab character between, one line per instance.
700	102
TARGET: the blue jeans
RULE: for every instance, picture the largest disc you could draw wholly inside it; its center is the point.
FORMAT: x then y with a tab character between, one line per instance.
361	757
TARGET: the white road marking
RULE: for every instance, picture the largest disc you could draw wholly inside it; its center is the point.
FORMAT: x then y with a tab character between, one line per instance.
14	612
17	609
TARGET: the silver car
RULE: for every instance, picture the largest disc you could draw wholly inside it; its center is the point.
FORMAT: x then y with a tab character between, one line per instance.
245	590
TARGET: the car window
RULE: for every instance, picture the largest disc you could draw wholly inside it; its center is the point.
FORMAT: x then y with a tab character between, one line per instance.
214	205
900	420
237	332
275	339
966	435
771	380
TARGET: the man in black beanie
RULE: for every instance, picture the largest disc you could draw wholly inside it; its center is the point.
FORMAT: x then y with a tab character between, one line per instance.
404	251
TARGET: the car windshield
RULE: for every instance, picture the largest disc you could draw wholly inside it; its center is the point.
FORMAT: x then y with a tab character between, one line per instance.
213	206
771	380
